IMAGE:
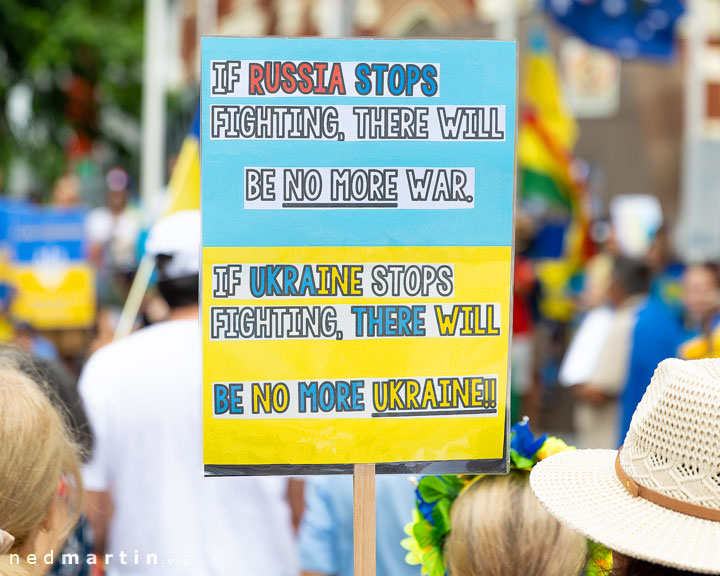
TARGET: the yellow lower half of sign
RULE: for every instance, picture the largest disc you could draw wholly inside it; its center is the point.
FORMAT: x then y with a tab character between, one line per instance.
481	275
65	299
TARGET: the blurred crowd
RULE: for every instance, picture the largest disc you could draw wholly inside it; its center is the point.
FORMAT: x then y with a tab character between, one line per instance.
131	497
629	313
110	247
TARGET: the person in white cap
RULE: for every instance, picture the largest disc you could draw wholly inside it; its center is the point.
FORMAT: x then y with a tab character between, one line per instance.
150	507
656	501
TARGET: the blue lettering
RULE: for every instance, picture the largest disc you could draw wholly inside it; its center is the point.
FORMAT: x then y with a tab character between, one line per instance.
403	317
379	70
418	321
343	396
413	76
236	399
359	312
396	80
429	75
273	286
221	393
327	397
307	284
257	282
357	396
388	321
290	274
363	85
307	390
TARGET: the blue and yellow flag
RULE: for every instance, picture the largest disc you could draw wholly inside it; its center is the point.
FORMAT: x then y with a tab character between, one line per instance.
184	183
52	282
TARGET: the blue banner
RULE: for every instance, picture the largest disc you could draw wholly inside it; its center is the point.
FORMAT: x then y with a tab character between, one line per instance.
49	281
31	231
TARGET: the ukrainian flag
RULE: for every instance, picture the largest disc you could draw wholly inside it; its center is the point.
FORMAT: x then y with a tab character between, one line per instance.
184	183
53	283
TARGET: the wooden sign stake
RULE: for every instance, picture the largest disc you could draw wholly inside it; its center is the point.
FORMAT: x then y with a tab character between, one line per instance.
364	519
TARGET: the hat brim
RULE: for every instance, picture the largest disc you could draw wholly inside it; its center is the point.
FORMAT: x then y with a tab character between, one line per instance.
580	488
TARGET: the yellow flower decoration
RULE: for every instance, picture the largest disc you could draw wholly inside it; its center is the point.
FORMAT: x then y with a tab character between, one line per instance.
552	446
415	553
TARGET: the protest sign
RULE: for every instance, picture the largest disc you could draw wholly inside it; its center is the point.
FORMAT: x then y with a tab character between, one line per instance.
52	284
357	202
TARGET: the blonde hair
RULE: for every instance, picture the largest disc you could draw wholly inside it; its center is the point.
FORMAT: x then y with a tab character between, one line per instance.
499	528
36	454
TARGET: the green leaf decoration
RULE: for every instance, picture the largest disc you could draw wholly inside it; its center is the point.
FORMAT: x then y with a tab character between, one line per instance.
520	462
432	488
425	534
433	562
455	485
599	560
441	516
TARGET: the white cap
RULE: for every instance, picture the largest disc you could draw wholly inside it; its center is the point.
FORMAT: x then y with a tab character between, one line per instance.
178	236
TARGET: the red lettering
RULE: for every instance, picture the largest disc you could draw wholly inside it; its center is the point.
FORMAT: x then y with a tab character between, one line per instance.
256	77
304	71
272	70
272	76
320	67
289	84
337	82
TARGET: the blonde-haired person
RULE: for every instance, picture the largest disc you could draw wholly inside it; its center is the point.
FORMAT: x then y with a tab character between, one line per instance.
500	529
40	484
493	525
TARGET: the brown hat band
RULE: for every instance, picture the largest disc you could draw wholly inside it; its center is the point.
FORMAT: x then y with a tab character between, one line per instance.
660	499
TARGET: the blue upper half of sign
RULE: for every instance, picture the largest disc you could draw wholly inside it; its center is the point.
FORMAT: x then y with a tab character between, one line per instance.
470	73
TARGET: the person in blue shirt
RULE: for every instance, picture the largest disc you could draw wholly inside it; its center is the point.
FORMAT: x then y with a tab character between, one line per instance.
326	532
658	330
656	336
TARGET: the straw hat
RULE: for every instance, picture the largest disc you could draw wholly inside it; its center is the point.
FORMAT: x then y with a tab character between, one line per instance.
658	497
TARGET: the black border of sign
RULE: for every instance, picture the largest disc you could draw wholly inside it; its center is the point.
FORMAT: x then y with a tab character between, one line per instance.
491	466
